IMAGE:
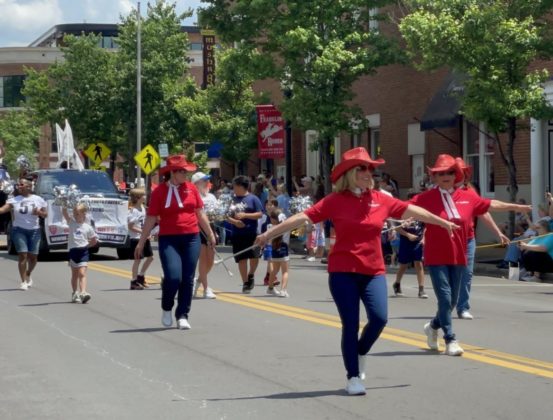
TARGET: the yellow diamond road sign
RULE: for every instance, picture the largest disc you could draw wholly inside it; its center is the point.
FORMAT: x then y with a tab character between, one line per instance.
147	159
97	152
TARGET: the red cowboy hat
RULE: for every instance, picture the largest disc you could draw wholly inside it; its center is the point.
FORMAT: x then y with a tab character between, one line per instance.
446	163
351	159
176	162
467	169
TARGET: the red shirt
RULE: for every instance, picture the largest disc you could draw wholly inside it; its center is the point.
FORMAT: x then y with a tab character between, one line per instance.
358	224
175	220
439	247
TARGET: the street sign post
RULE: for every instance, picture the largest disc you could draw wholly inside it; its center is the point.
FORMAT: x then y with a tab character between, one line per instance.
148	159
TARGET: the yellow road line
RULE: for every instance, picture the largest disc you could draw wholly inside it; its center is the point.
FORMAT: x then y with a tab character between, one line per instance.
479	354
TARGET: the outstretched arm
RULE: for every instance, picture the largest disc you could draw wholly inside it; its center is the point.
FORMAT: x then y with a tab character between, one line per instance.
425	216
277	230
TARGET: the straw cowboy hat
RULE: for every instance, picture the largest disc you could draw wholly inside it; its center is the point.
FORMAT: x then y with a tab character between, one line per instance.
352	158
175	163
445	163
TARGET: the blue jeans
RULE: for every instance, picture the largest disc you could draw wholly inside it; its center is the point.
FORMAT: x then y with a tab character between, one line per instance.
26	240
179	255
347	290
466	281
446	280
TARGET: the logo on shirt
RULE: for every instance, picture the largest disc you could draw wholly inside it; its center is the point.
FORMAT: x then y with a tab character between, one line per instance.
463	202
374	204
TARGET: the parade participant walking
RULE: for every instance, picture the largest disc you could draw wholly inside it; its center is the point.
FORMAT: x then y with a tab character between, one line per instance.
446	255
244	231
178	207
26	209
81	237
356	265
207	252
279	256
463	304
135	220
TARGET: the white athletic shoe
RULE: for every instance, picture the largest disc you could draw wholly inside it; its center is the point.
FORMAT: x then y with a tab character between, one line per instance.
24	286
196	287
167	318
311	259
76	297
431	337
284	293
465	315
29	282
355	386
183	324
453	349
208	294
362	366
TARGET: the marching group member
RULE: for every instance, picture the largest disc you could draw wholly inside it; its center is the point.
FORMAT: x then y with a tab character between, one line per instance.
179	208
445	255
26	209
135	219
356	265
278	259
81	237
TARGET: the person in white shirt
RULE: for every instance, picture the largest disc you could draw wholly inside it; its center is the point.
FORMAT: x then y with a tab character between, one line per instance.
135	220
26	209
207	253
81	238
279	256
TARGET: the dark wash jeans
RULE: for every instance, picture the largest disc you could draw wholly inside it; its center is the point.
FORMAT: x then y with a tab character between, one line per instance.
179	256
348	290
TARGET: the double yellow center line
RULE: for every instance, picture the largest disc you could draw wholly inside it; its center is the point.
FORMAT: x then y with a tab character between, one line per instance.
476	353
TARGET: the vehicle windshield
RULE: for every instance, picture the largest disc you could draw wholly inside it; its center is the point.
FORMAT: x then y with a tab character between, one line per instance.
88	182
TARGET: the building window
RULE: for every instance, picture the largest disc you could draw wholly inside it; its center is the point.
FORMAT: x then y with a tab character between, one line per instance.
10	91
374	143
196	46
373	22
479	153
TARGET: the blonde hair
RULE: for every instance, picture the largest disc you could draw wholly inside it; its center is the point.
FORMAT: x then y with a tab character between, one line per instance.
348	181
81	208
136	194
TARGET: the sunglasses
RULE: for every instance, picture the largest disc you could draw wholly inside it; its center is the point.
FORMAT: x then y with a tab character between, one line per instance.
449	173
364	168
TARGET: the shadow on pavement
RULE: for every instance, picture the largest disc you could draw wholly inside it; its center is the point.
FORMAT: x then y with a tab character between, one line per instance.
538	312
422	352
49	303
142	330
305	394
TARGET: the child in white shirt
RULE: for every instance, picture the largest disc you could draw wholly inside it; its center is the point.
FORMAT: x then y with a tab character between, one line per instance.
279	256
135	220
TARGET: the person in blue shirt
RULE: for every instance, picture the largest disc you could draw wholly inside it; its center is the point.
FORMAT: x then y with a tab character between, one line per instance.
537	254
244	231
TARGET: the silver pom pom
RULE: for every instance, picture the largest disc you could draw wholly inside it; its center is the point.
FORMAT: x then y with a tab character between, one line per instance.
67	196
23	162
7	186
300	203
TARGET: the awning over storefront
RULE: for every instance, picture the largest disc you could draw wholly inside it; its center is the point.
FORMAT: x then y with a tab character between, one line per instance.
443	109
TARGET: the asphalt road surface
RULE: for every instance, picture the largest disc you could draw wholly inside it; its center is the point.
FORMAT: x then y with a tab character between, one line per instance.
259	357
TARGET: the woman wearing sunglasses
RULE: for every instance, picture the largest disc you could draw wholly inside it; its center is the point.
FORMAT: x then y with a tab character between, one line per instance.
445	254
356	265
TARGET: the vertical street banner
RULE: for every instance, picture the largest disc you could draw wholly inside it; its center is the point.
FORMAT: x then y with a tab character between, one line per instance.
208	39
270	132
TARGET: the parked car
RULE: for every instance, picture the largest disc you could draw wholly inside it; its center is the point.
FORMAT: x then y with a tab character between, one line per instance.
107	213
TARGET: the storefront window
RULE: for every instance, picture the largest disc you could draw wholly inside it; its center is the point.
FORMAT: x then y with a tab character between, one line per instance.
480	158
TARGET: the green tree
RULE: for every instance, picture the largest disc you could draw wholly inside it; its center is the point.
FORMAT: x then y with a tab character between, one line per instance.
20	137
493	43
164	75
318	49
225	111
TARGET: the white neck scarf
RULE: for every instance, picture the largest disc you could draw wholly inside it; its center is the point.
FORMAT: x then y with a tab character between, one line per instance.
449	204
173	190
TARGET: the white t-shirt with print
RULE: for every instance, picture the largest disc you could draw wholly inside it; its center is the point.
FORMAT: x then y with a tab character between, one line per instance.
79	234
23	208
136	217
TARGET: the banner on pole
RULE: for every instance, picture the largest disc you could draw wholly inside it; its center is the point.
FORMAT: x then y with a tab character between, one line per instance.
270	132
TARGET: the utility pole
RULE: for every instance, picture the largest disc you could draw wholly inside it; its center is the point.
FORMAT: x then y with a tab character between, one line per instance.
138	92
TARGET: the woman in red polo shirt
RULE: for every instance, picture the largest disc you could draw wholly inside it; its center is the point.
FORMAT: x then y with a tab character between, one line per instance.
178	207
445	255
356	265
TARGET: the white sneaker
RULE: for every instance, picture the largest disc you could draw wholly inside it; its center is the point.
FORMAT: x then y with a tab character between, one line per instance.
311	259
24	286
273	291
355	386
167	318
284	294
183	324
431	337
531	277
208	294
453	349
29	282
362	366
76	297
465	315
196	287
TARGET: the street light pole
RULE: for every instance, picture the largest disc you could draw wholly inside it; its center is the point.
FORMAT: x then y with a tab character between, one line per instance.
138	92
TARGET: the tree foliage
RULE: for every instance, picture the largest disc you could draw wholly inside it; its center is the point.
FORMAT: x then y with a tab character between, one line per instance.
318	49
20	136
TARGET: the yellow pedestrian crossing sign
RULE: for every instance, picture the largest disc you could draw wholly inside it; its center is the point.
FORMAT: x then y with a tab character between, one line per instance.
148	159
97	152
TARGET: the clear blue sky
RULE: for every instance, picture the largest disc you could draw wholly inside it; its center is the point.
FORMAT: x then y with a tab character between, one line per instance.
22	21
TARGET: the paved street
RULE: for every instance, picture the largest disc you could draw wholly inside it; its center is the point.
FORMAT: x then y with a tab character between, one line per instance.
259	357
